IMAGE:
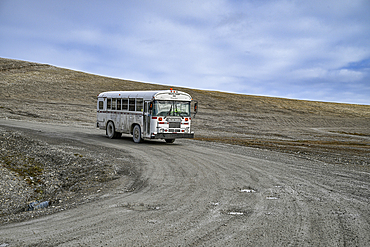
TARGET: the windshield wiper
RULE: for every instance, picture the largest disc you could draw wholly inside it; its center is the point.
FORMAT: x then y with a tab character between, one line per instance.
169	112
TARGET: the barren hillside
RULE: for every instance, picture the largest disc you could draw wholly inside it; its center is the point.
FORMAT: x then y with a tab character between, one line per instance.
43	93
57	156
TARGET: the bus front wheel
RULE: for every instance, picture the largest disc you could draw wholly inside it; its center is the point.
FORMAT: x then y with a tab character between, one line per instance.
136	134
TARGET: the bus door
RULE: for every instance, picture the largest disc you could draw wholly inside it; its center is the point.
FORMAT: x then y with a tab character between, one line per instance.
146	122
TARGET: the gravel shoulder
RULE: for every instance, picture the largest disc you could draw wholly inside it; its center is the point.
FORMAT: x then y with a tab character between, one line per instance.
39	167
203	193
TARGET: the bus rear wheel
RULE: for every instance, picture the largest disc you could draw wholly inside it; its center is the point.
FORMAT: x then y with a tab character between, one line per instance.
170	140
111	131
136	134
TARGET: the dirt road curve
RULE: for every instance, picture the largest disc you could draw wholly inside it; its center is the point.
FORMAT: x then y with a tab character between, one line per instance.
197	193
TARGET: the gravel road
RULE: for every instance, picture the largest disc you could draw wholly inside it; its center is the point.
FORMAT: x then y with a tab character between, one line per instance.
194	193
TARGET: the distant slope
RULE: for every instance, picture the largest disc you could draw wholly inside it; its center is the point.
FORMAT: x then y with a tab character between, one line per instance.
46	93
41	82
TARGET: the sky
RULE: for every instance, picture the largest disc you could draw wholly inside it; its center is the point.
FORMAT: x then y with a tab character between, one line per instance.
311	50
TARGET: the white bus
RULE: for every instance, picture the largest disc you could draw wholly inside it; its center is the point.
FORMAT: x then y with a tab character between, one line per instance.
146	114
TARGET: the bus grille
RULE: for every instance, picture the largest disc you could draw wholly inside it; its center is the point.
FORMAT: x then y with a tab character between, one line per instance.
174	125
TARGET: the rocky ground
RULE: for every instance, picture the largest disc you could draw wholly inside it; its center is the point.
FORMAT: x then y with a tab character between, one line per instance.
64	174
68	174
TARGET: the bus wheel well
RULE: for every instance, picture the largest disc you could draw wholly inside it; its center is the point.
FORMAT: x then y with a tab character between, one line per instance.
132	128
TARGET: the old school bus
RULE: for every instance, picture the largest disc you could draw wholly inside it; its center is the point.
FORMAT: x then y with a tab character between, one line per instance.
146	114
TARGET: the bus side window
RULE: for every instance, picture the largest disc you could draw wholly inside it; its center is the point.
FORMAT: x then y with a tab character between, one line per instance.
146	106
101	105
124	104
118	104
114	104
131	105
109	104
139	104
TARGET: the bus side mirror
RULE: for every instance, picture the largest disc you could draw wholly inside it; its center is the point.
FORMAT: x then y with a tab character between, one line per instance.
195	108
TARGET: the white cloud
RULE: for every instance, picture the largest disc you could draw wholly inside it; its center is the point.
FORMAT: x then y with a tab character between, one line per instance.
261	47
346	75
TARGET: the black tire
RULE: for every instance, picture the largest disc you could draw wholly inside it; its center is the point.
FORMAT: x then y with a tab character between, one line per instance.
170	140
111	131
136	134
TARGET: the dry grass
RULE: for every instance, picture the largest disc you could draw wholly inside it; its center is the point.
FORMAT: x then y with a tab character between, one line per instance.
45	93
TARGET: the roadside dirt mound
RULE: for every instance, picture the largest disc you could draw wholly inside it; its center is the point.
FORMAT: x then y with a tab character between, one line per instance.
63	174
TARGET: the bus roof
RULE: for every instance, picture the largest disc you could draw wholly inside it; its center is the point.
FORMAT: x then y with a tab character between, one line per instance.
148	95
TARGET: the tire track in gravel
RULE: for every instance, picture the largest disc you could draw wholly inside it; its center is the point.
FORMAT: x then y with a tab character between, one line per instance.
197	193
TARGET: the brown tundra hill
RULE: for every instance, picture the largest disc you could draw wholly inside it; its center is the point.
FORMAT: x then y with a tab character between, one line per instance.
339	133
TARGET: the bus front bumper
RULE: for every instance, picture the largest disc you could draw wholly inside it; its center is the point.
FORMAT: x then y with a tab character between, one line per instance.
171	135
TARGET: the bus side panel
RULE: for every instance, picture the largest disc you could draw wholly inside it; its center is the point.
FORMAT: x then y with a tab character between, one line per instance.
139	120
132	119
113	117
125	124
101	120
118	122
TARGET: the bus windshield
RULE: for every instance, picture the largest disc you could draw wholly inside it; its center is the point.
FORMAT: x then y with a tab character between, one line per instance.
171	108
